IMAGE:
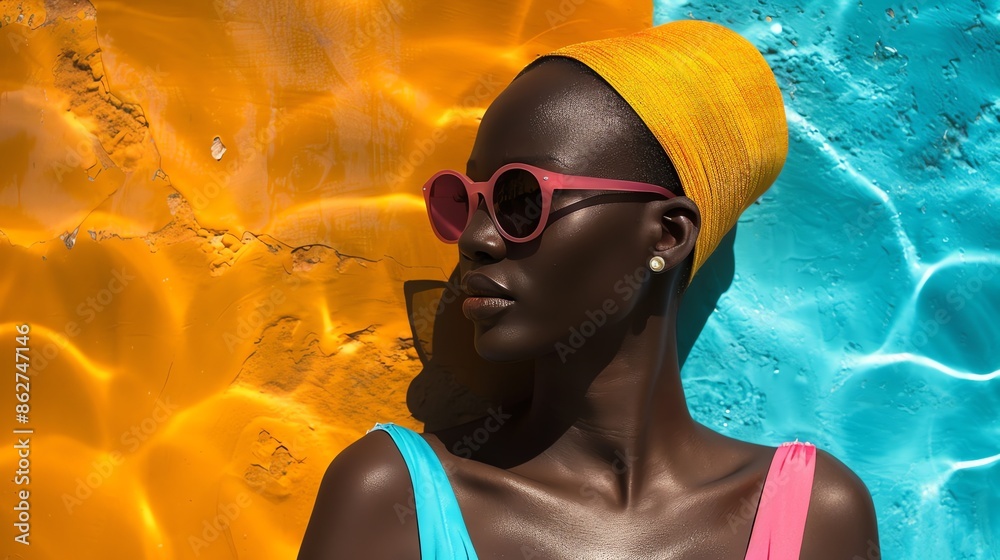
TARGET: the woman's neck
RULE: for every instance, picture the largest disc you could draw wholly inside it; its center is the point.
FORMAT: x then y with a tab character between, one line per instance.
615	406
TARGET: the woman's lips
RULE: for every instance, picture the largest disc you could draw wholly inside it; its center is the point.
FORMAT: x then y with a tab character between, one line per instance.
481	308
487	297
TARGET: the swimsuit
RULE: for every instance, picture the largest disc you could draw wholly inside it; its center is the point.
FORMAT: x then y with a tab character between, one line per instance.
777	527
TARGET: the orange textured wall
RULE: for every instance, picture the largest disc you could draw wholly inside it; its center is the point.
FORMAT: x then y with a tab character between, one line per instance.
208	329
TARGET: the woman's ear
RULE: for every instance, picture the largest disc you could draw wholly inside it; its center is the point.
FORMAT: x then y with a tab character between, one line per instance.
677	223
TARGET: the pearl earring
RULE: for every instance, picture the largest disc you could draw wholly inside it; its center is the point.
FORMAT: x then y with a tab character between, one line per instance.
656	264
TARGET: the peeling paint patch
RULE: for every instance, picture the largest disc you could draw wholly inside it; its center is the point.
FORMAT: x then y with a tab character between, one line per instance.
272	473
121	127
69	238
218	148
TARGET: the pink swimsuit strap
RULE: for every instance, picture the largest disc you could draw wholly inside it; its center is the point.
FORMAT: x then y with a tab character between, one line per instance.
781	515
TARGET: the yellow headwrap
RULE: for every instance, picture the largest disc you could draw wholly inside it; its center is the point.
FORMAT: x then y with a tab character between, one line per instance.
712	102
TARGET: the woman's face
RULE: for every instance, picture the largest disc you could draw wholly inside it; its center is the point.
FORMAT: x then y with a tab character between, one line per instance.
588	268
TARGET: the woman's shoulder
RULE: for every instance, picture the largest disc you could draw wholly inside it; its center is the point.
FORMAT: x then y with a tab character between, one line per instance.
364	507
838	497
841	519
371	467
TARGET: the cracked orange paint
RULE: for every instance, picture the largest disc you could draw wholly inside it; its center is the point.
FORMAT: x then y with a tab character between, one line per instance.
221	325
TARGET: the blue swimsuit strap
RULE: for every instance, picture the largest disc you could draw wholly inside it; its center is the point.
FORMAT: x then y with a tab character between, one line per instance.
443	535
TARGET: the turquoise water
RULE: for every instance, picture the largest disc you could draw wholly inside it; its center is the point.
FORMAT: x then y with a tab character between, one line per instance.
859	308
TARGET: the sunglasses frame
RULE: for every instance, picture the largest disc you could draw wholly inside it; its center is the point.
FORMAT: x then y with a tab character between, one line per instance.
548	181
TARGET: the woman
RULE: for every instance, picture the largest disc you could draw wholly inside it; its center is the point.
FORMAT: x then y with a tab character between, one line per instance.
687	123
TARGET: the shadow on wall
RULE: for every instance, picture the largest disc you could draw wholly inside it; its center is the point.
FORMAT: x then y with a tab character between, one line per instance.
714	278
456	385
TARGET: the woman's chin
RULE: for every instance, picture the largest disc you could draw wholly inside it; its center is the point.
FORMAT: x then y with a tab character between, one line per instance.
497	344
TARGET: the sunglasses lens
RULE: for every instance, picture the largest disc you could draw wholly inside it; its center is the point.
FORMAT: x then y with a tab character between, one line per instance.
449	206
517	201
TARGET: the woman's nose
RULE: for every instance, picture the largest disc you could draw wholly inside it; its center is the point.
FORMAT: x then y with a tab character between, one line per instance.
481	241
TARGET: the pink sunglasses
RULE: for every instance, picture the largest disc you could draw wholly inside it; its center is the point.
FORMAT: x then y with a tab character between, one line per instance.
518	198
